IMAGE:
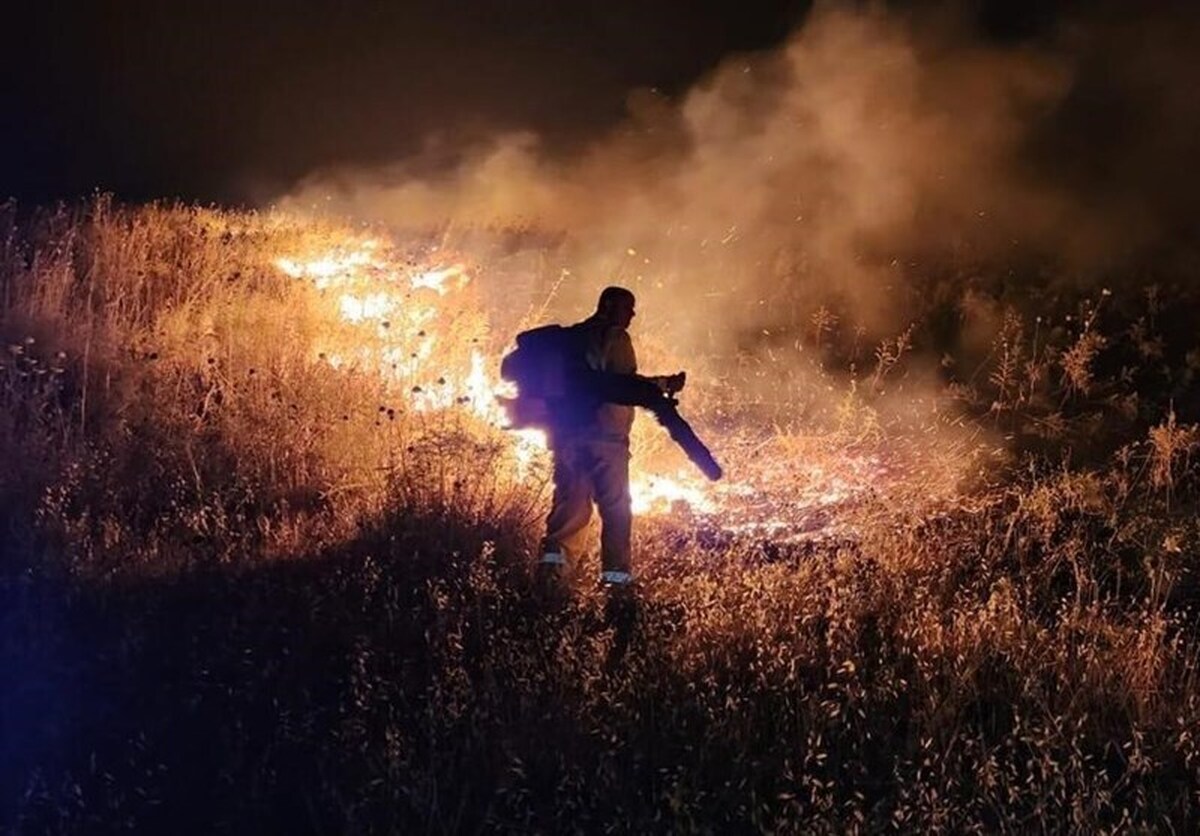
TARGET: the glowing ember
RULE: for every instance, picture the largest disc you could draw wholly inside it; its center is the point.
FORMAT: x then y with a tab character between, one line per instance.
443	281
324	271
375	306
662	494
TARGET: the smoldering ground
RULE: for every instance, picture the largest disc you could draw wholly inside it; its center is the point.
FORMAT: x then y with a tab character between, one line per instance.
846	174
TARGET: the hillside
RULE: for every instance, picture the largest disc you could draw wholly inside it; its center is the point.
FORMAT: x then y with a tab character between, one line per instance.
267	548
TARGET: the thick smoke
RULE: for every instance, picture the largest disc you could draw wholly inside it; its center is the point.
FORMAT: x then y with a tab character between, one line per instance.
834	173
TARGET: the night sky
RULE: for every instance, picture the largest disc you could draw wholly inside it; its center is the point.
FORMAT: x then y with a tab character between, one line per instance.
229	102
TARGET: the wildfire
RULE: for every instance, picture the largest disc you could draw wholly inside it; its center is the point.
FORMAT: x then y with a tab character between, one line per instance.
372	291
424	334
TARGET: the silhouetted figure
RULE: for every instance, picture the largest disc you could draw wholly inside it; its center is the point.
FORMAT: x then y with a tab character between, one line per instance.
589	440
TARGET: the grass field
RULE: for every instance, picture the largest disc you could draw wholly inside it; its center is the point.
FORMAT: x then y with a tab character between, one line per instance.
266	558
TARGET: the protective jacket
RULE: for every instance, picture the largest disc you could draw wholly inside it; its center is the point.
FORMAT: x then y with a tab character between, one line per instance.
604	348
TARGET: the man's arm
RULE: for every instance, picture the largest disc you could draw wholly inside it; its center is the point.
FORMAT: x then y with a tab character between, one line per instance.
620	358
620	383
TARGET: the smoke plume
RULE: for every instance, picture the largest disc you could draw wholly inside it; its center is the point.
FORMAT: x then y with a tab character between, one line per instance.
834	174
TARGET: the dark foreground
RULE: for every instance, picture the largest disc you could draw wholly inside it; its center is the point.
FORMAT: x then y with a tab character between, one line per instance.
418	683
220	614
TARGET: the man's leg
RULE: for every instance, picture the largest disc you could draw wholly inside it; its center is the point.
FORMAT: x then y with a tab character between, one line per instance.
609	469
571	508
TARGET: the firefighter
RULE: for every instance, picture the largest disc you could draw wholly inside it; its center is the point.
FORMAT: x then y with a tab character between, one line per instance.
589	441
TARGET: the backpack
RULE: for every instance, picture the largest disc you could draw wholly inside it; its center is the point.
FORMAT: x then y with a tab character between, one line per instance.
545	367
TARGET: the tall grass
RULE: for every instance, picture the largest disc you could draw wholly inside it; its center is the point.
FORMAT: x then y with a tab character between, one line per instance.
168	395
246	591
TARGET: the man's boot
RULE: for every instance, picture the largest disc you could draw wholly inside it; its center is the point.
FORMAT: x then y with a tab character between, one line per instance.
620	611
549	575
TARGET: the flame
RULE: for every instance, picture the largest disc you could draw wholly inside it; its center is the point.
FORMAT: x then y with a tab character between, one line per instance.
332	266
662	494
374	306
440	279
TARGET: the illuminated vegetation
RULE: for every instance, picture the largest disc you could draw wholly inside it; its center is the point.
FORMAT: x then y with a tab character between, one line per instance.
267	569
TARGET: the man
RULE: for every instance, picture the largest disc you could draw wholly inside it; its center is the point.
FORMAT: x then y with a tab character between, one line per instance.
589	441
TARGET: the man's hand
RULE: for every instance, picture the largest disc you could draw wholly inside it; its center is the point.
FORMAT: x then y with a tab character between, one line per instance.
670	384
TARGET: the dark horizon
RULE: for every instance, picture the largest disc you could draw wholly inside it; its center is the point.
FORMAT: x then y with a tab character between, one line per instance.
235	104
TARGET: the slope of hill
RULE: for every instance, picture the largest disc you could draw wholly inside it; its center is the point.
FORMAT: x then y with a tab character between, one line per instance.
266	553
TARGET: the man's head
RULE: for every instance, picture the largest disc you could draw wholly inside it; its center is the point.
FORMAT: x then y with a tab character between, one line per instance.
616	306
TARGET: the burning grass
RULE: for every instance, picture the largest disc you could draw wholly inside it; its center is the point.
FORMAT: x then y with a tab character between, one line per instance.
267	558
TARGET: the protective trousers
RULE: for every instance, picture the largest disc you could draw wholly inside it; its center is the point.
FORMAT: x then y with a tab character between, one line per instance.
587	471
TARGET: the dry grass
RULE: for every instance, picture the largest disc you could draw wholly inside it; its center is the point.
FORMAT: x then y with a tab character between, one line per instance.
248	591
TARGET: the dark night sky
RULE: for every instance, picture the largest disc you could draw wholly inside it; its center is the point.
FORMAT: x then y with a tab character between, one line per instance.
229	102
